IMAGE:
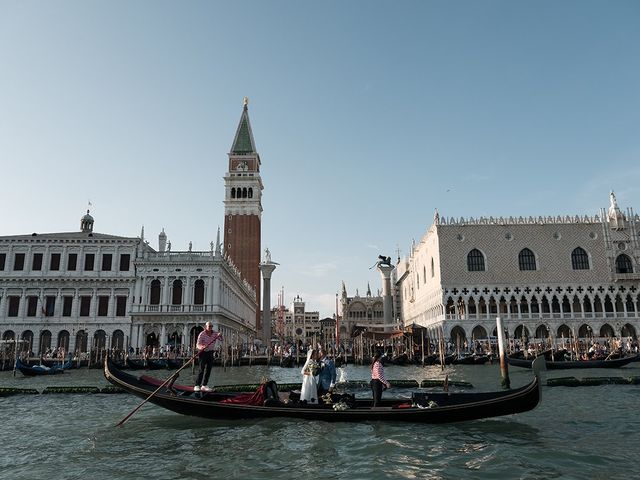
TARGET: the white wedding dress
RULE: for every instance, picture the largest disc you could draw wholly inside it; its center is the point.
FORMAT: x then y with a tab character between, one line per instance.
309	391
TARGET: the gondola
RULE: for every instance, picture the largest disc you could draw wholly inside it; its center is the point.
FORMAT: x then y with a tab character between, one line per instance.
36	370
440	407
566	364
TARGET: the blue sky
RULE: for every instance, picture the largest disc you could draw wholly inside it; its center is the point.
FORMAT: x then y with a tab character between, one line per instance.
367	115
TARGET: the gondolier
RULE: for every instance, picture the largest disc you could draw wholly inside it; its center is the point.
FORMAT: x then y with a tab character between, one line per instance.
205	345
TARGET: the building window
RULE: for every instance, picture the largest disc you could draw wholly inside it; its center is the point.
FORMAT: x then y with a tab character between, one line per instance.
579	259
233	192
3	258
36	264
154	294
50	306
121	306
475	261
177	293
433	270
527	259
18	261
103	306
85	306
54	264
72	262
89	259
106	262
32	306
198	292
125	259
623	264
67	303
14	306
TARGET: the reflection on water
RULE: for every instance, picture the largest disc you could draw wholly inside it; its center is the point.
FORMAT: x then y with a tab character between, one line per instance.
587	432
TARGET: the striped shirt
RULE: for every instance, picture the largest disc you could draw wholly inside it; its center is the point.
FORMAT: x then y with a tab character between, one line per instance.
377	373
206	341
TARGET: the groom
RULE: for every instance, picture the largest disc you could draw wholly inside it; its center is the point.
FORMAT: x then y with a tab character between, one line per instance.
327	376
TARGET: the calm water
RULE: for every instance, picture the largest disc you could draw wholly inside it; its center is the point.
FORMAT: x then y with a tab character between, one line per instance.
585	432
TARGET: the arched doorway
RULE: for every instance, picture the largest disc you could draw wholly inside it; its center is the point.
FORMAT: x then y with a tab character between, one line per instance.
100	340
193	336
27	345
478	333
585	331
152	340
607	331
81	341
45	341
564	332
628	331
117	341
175	340
521	333
458	336
63	340
543	332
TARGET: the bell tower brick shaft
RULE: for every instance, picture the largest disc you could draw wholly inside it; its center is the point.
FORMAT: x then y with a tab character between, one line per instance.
243	207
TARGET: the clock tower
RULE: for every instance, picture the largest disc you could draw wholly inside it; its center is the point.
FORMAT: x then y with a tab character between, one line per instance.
243	207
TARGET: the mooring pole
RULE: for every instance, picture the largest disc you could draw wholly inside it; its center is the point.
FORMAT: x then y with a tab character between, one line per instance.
504	368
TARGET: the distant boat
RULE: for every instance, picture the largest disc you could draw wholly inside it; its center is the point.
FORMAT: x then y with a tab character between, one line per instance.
566	364
36	370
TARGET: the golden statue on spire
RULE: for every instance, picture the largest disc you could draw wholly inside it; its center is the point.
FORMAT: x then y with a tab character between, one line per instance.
245	102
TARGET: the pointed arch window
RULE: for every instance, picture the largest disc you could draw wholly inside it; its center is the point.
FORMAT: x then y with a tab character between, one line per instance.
623	264
233	192
579	259
527	260
177	293
198	292
250	192
154	294
475	261
433	270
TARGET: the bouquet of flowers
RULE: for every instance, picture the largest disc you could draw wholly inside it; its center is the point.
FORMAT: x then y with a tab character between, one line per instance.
312	368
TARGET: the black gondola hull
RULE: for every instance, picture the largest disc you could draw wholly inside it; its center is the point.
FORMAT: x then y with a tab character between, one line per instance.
452	407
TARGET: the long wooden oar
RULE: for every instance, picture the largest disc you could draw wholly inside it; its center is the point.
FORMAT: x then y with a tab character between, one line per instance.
172	377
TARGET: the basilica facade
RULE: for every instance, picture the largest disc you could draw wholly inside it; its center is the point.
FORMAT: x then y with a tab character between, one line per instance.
546	277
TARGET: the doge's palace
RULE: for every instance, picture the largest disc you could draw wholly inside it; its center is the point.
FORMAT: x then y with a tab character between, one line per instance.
558	277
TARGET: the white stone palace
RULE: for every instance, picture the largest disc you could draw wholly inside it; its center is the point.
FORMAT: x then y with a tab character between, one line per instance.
558	277
84	291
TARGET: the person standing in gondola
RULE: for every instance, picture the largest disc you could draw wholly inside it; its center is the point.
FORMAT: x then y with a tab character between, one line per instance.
327	376
309	390
205	345
378	382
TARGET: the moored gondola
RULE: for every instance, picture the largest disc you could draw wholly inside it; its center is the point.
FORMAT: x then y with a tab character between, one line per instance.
566	364
440	407
37	370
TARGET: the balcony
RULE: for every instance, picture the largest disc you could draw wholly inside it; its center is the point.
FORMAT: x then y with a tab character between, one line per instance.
186	309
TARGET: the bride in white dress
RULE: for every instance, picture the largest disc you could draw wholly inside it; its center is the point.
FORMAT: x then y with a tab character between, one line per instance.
309	391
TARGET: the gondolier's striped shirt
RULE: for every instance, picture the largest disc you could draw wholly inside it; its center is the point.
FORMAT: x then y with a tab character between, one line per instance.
377	372
207	340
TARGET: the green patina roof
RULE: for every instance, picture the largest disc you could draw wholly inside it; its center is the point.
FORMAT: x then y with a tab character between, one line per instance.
243	143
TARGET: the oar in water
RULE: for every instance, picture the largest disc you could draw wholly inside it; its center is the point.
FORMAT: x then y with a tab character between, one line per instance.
171	379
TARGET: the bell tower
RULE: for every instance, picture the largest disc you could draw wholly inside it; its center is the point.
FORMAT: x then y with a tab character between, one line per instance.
243	207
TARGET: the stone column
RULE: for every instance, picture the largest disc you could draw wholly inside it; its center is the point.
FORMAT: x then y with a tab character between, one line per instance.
387	301
265	332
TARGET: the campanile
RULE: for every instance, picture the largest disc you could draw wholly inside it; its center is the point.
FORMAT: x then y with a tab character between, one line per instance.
243	207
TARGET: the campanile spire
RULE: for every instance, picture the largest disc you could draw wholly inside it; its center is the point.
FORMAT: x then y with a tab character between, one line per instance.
243	206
